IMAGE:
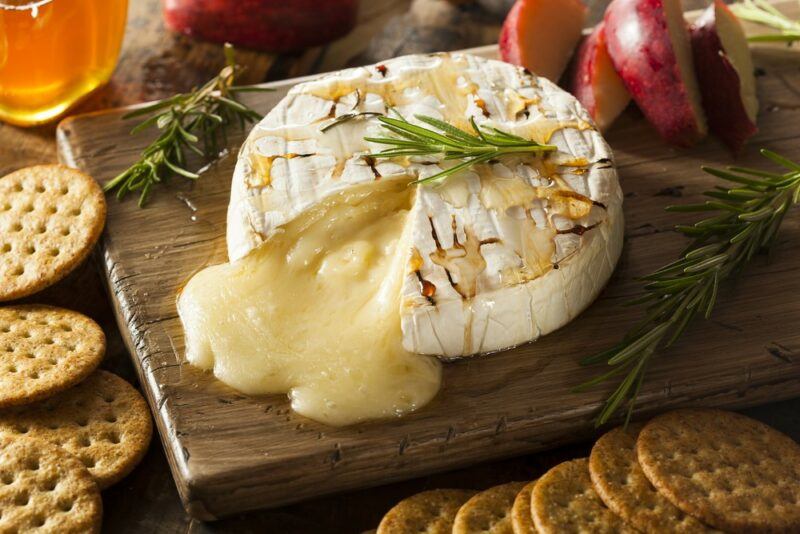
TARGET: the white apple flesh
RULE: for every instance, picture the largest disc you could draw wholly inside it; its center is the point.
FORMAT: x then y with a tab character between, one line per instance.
541	35
595	82
648	41
724	68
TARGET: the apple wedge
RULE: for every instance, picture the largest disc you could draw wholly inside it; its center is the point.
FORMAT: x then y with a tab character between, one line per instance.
541	35
648	41
724	69
595	82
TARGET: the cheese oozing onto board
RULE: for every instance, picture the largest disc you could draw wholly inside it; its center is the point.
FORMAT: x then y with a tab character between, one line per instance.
314	313
335	304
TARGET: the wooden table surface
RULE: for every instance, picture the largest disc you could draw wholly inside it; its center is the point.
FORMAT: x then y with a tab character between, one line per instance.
154	64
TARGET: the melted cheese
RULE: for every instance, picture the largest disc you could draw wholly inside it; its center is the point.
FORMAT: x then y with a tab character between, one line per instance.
314	312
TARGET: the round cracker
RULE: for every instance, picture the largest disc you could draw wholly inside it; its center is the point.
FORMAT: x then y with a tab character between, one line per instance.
44	489
103	421
50	218
44	350
521	515
730	471
488	512
431	512
563	500
622	486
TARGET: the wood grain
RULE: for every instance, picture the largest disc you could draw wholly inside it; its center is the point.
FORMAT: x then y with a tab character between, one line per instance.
230	452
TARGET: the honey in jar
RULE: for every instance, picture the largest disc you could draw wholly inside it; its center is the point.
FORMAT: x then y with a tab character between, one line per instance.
54	52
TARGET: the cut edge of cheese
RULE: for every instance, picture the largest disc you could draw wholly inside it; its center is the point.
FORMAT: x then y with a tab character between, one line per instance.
313	312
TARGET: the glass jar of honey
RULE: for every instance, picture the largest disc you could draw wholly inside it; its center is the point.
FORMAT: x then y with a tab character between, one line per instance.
54	52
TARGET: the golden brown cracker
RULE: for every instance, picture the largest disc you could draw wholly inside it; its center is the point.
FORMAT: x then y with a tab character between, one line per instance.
732	472
429	512
103	421
488	512
563	500
622	486
521	515
44	489
44	350
50	218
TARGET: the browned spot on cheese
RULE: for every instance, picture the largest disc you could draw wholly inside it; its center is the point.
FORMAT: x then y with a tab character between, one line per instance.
537	251
369	160
434	234
569	204
428	289
579	229
416	261
542	130
338	169
263	167
517	104
482	105
465	262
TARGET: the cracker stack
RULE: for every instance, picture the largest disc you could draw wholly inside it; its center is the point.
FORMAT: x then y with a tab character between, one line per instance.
688	471
67	430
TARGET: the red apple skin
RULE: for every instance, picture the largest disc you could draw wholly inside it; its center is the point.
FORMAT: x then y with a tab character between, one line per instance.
583	71
509	41
594	82
719	81
641	49
541	35
272	25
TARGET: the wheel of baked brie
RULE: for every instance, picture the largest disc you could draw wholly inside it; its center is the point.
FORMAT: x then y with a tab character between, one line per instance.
342	274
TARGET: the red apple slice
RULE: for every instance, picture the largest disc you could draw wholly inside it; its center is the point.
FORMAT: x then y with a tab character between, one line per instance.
648	42
541	35
595	82
725	72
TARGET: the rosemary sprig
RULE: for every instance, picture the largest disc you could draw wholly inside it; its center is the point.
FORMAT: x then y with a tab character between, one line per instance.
454	143
745	220
196	121
762	12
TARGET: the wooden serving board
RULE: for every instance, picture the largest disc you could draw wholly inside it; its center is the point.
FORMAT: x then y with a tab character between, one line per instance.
230	452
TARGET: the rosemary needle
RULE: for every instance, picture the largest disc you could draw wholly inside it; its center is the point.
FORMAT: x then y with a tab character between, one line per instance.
196	121
454	143
745	220
762	12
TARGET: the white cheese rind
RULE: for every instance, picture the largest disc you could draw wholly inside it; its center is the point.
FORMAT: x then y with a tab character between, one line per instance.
482	303
510	316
